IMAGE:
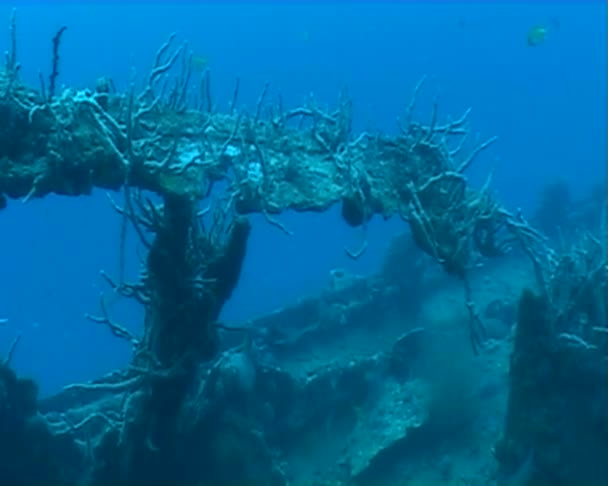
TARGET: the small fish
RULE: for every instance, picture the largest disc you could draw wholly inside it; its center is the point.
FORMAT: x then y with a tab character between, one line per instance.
537	35
199	63
3	321
305	35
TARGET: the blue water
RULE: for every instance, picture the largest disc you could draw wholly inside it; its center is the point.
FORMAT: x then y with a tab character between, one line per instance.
547	104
